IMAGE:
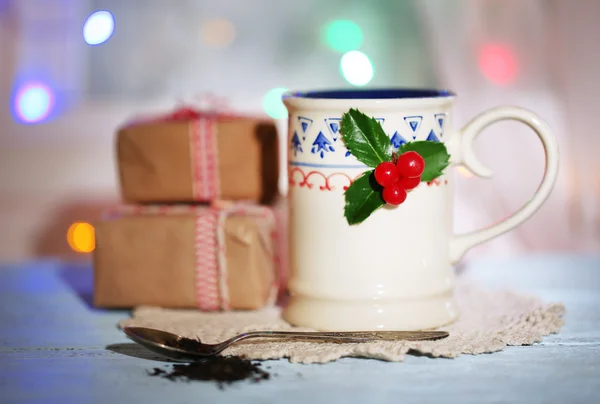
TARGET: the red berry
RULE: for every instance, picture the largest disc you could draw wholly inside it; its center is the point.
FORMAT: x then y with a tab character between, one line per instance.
411	164
394	195
386	174
409	183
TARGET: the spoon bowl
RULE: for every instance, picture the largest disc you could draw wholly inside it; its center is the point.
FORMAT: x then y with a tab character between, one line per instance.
164	343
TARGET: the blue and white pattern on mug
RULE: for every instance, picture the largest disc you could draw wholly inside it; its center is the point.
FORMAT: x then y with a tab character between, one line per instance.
323	141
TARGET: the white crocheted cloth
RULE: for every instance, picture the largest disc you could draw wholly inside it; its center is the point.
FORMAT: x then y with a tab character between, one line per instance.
489	321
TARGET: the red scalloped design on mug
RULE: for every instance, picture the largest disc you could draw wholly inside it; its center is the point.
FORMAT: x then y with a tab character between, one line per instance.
303	179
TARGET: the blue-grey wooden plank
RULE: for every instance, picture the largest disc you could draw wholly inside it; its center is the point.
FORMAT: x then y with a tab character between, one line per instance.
53	348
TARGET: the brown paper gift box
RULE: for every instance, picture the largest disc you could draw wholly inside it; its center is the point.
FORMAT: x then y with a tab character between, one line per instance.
156	160
151	259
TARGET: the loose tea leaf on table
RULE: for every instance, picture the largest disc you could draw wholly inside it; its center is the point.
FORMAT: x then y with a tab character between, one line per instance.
223	370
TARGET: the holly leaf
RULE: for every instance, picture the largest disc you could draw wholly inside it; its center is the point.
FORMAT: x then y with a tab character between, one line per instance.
365	139
363	197
435	155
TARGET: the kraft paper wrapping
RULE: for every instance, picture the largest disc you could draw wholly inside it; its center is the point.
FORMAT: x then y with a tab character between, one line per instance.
150	260
155	161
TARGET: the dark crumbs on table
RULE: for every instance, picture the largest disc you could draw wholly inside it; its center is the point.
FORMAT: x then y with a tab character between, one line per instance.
223	370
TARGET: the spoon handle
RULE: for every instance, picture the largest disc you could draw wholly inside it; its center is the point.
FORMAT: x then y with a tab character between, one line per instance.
346	336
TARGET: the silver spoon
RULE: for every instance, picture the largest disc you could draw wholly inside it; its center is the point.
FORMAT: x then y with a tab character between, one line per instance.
181	348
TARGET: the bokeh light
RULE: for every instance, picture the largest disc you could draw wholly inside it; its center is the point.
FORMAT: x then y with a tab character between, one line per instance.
343	35
273	104
356	68
33	102
98	28
464	172
498	63
218	33
81	237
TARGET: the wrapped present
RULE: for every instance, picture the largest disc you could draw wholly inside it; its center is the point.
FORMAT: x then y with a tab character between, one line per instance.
193	156
211	258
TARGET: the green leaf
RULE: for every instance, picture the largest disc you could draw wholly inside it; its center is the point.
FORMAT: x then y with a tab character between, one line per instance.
435	155
365	139
363	197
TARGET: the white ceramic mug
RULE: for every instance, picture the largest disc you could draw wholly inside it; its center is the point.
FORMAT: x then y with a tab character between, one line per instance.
394	270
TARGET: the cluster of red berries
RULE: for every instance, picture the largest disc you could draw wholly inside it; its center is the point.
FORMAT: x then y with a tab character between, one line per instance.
397	179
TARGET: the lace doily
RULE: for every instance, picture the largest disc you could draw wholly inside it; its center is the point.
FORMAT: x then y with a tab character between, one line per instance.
489	321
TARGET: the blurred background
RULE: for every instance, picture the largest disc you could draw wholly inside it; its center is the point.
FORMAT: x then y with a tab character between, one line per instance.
71	71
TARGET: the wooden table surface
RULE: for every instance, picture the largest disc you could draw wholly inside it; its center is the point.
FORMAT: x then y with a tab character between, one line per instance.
55	348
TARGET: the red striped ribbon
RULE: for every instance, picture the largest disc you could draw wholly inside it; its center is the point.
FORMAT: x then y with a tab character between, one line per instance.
203	148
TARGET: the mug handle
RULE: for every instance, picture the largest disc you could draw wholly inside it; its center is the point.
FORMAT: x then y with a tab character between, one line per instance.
460	244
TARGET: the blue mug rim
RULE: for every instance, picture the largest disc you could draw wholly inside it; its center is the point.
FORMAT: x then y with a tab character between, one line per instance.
390	93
